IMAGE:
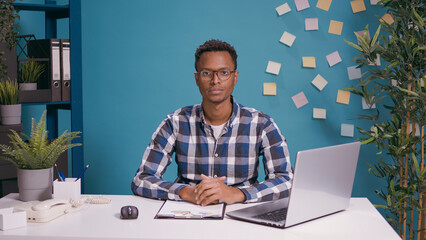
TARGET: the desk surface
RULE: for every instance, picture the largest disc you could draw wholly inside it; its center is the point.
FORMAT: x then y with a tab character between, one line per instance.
360	221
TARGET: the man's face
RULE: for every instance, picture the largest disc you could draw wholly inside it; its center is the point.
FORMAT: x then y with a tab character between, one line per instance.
216	90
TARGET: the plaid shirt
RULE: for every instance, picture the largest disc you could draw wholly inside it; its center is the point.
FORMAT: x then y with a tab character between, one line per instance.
247	135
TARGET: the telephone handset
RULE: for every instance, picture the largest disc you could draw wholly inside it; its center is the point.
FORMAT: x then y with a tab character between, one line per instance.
44	211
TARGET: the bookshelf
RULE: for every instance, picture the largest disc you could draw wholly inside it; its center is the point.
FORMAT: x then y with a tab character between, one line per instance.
54	12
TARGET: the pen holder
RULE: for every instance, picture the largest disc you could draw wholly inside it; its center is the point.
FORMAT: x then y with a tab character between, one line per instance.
68	189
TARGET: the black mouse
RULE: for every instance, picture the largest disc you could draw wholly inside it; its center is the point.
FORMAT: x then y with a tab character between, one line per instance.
129	212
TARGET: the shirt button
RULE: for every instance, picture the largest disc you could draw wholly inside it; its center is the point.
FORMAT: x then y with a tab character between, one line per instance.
216	154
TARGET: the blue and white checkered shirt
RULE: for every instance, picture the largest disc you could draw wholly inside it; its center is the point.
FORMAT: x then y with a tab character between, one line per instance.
247	135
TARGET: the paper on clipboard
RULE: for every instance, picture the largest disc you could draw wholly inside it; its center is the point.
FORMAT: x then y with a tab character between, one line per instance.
186	210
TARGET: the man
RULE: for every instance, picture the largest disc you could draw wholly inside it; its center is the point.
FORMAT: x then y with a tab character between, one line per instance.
217	144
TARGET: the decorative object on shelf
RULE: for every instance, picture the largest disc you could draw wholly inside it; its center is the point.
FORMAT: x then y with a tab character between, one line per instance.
400	134
29	73
10	108
34	156
8	40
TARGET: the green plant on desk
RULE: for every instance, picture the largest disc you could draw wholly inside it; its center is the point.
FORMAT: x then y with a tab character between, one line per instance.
37	151
30	71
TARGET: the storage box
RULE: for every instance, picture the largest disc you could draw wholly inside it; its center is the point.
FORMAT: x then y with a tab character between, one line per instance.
70	189
10	219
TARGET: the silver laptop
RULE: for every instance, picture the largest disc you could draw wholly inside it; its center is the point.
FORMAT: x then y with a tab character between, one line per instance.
322	185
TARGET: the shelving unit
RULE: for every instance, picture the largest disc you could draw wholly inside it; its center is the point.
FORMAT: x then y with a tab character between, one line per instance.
54	12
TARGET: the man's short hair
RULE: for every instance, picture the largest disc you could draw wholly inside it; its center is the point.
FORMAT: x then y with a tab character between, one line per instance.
216	46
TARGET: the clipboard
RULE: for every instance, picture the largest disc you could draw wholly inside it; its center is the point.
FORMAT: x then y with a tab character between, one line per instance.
186	210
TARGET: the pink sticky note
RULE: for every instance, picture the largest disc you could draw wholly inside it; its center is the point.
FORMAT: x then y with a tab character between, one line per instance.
300	100
333	58
311	24
301	4
360	33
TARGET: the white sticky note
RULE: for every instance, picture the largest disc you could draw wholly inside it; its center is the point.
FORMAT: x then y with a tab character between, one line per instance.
319	113
366	106
283	9
319	82
354	73
377	61
333	58
394	82
300	100
287	38
273	67
311	24
374	2
347	130
301	4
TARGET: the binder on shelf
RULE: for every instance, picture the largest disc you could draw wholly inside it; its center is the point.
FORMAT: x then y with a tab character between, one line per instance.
65	70
49	48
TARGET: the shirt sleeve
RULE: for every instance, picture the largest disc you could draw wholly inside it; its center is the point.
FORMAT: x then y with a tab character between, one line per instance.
148	180
276	161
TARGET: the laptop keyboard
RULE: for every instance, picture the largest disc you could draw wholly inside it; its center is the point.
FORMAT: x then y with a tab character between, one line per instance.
275	216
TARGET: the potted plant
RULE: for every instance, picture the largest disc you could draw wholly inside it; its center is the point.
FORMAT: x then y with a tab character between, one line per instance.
10	108
34	156
397	86
29	73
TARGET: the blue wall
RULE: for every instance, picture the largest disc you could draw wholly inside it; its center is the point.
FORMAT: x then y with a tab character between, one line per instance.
138	67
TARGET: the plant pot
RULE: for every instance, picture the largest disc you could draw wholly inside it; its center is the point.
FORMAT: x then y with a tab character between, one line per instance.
28	86
35	185
10	114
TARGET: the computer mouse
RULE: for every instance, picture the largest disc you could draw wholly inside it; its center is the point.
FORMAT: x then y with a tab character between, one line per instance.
129	212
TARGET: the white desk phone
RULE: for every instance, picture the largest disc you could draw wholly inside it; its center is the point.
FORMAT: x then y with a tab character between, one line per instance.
44	211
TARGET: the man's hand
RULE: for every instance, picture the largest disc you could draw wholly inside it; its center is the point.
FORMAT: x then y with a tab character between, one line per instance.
213	190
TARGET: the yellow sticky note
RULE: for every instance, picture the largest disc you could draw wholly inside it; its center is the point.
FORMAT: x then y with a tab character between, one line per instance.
387	18
343	97
309	62
270	89
324	4
358	6
335	27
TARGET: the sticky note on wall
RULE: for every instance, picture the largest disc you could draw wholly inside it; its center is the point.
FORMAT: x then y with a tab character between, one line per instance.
347	130
309	62
319	113
288	39
365	105
301	4
311	24
333	58
283	9
273	67
354	73
300	100
358	6
335	27
343	97
319	82
387	18
374	2
269	89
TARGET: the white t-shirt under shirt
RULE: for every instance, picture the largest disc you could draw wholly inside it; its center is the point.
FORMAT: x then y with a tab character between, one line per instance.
217	130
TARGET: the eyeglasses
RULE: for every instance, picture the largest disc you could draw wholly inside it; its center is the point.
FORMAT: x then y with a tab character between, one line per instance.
207	75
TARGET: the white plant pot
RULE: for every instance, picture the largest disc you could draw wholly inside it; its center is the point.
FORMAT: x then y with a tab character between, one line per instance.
28	86
10	114
35	185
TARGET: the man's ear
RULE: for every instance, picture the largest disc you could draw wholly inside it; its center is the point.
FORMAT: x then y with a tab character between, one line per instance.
236	77
196	78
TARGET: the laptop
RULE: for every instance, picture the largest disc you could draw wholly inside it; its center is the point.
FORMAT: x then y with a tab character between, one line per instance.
322	185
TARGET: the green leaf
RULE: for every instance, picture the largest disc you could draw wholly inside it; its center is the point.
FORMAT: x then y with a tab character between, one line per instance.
353	45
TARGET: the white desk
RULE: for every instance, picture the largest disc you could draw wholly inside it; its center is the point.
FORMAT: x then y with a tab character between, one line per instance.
360	221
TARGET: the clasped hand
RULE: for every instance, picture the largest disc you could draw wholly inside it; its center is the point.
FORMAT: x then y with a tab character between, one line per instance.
211	191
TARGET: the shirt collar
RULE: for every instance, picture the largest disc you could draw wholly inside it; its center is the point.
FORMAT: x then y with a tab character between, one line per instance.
232	119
